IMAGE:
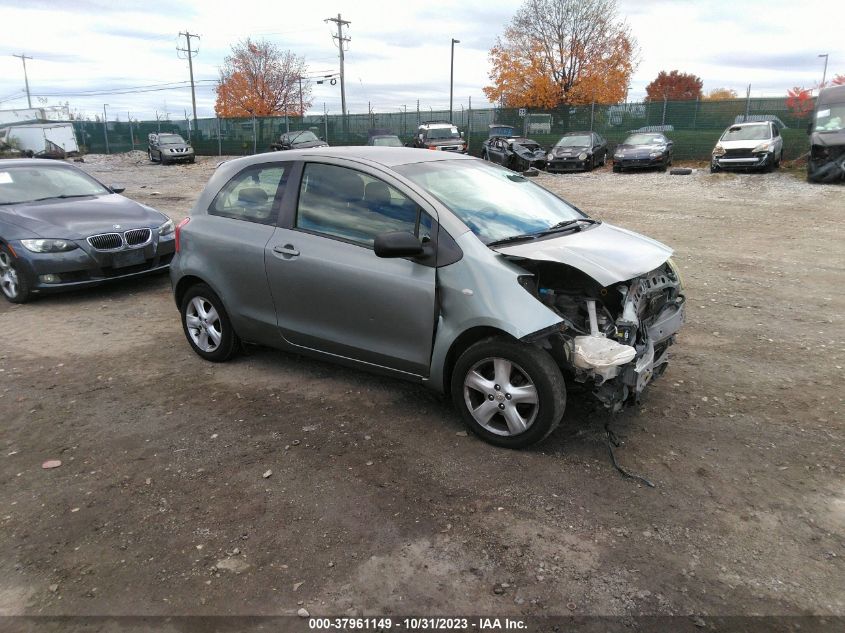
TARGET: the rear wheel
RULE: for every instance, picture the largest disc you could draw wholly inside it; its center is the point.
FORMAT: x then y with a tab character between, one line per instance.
617	169
206	324
13	282
509	394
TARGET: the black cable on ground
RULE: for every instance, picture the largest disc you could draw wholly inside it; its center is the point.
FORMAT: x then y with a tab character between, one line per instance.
612	441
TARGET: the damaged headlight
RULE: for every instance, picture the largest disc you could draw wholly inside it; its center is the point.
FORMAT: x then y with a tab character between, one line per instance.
676	271
763	147
582	156
718	151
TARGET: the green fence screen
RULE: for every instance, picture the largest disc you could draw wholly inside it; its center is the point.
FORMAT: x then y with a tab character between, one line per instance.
694	126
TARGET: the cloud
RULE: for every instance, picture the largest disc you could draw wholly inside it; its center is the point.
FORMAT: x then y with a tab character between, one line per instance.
135	34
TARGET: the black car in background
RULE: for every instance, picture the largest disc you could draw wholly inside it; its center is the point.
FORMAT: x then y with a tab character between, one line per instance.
516	153
62	229
383	138
302	139
577	151
643	150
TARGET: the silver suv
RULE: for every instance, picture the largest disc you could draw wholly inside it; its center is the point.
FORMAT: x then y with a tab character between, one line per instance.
432	267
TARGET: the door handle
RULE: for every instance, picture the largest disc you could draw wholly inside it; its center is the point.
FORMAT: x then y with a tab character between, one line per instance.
287	251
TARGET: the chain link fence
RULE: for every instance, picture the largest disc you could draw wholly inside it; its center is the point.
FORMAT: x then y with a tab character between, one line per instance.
694	126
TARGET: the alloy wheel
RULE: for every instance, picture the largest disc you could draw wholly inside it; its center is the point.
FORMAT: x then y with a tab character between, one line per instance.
501	396
8	276
204	325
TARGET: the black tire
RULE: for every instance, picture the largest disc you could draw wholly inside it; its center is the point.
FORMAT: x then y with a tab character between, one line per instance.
617	169
714	169
604	159
590	165
526	361
14	284
192	160
680	171
229	342
485	156
150	155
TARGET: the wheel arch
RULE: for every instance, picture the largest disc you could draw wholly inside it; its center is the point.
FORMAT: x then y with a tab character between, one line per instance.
186	283
463	342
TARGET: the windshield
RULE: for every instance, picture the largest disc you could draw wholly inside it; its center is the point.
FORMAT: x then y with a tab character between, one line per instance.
747	133
573	141
438	133
387	141
502	130
495	203
645	139
25	184
303	137
170	139
830	118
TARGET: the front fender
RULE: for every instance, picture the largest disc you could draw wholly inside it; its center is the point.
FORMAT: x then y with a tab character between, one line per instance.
482	290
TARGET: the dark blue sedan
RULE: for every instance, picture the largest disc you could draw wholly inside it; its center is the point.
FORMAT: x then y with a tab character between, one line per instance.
61	229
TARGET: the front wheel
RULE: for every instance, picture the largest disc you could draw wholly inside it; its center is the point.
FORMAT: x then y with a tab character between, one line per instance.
509	394
206	324
13	282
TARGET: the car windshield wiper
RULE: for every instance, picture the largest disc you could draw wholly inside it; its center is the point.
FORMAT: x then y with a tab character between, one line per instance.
566	224
63	196
513	238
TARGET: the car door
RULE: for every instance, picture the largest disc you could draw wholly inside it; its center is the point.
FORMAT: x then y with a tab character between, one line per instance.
234	233
332	293
497	153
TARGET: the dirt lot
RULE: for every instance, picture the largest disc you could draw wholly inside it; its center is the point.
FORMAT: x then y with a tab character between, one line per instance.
379	503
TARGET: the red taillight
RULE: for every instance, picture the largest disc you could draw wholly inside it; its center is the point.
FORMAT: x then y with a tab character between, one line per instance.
179	231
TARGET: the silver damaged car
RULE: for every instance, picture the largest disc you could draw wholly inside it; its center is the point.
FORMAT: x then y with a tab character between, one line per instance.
432	267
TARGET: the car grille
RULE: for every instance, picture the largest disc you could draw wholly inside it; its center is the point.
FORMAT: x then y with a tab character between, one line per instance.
740	153
137	236
116	241
106	241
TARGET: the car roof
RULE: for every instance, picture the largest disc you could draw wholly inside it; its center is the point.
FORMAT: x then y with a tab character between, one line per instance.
750	124
38	162
377	155
584	133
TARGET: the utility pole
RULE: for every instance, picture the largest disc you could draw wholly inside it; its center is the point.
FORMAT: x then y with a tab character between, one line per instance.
301	108
106	128
189	54
23	58
340	42
824	72
452	76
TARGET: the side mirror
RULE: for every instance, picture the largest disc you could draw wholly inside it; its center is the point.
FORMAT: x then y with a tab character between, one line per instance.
462	134
397	244
117	188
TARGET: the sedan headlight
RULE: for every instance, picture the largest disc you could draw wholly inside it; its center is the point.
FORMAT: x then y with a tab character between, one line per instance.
676	271
550	156
763	147
166	229
619	154
655	154
718	151
49	246
582	156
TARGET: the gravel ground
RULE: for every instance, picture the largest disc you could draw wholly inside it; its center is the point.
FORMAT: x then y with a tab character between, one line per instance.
378	502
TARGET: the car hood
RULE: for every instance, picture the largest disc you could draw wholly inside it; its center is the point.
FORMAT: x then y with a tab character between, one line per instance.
78	218
637	150
828	139
606	253
751	144
570	150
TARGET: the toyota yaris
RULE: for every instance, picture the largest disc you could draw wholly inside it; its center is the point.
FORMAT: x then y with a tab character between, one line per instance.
428	266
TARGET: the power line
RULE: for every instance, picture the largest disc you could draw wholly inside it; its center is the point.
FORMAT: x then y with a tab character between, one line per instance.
174	85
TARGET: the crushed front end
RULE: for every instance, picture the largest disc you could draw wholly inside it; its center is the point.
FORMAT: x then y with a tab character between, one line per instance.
614	340
827	161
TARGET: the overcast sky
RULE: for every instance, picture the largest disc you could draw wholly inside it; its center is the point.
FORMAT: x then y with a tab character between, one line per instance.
399	50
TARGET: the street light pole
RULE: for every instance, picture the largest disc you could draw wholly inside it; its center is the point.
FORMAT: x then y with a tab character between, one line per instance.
452	76
23	58
824	72
105	129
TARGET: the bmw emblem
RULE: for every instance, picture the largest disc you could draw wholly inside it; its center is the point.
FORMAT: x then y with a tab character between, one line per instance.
115	226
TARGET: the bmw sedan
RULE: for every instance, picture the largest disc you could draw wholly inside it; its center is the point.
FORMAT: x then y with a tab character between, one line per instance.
62	229
643	150
433	267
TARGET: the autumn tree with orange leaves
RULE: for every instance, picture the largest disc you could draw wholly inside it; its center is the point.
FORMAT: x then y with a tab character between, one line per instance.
557	52
721	94
674	86
260	79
